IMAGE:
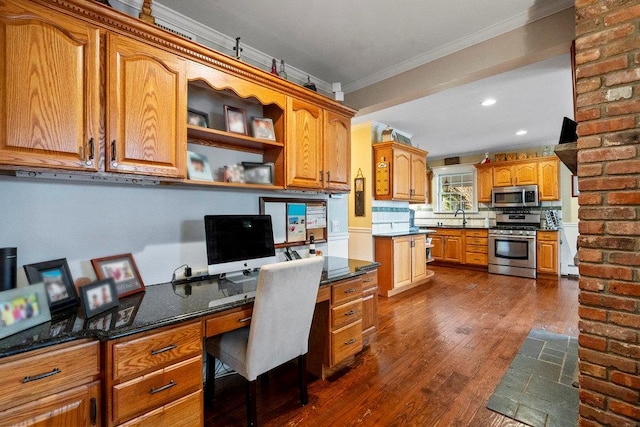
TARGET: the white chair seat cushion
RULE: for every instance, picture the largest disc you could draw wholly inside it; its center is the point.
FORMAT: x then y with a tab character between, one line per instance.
231	347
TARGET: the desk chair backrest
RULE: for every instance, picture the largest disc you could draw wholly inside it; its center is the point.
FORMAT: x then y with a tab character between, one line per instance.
282	313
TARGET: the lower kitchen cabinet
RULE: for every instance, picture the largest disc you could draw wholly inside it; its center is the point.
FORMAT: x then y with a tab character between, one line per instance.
56	386
403	263
547	252
448	245
149	371
476	247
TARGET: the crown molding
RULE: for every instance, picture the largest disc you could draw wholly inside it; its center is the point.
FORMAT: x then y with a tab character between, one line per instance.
495	30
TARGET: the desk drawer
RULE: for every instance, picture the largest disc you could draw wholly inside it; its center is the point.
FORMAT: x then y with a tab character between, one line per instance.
346	341
27	378
346	291
186	411
158	388
369	280
218	324
156	350
346	313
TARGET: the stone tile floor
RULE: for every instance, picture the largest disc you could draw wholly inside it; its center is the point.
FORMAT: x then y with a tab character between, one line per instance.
537	388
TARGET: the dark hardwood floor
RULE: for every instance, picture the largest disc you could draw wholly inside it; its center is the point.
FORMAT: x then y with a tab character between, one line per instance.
439	352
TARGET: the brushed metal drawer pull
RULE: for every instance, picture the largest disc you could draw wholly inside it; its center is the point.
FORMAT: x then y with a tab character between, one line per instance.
172	383
246	319
350	313
351	341
28	379
163	350
350	291
367	280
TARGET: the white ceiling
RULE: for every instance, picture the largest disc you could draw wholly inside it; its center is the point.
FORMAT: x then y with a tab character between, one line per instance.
362	42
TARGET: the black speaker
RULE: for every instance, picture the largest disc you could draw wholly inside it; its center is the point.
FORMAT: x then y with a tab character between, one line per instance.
8	264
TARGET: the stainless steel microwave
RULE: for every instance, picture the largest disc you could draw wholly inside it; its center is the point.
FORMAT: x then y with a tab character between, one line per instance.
515	197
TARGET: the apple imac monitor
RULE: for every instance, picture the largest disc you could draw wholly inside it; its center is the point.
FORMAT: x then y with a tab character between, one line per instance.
237	243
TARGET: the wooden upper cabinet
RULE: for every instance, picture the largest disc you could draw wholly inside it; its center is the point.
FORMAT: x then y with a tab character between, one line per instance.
337	152
485	182
401	172
146	109
418	178
548	180
402	177
49	89
303	146
515	174
525	174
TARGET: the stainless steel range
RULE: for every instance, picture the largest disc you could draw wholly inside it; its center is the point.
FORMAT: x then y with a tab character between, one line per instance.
512	243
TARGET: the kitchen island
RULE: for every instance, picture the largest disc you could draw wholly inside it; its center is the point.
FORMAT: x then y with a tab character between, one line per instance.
403	261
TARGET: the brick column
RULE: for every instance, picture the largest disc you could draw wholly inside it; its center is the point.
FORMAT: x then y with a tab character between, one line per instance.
608	113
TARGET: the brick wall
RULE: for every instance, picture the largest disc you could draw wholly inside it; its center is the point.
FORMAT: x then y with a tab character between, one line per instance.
608	114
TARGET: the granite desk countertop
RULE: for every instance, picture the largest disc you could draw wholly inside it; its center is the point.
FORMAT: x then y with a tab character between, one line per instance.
161	305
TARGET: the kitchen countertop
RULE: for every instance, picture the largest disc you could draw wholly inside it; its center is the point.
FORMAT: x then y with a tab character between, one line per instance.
471	227
161	305
403	233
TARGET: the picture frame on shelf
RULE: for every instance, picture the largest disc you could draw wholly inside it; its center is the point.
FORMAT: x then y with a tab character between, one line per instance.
197	118
23	308
235	120
58	283
99	296
258	173
123	270
198	167
263	128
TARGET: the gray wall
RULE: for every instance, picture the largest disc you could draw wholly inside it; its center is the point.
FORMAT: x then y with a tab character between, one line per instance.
162	226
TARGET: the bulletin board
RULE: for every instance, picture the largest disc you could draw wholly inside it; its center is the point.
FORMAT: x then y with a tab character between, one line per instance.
295	220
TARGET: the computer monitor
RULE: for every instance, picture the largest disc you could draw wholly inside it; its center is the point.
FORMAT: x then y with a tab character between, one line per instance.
236	243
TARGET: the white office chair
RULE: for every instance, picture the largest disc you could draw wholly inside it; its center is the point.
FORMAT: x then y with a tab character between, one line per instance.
279	332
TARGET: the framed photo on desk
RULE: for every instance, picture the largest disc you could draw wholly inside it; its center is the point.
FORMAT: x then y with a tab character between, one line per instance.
122	269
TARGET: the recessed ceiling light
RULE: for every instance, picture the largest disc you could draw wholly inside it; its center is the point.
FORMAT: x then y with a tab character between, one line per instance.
521	132
487	102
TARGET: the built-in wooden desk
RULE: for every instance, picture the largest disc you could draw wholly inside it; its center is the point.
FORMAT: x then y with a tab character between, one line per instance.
148	352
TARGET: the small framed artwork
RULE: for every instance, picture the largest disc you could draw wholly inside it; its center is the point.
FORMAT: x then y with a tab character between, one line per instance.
122	269
99	296
574	186
198	167
61	293
258	173
236	120
197	118
263	128
23	308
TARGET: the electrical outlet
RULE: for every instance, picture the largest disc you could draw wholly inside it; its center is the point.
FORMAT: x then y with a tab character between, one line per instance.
335	226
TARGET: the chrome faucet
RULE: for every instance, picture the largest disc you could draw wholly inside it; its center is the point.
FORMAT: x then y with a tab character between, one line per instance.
464	217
